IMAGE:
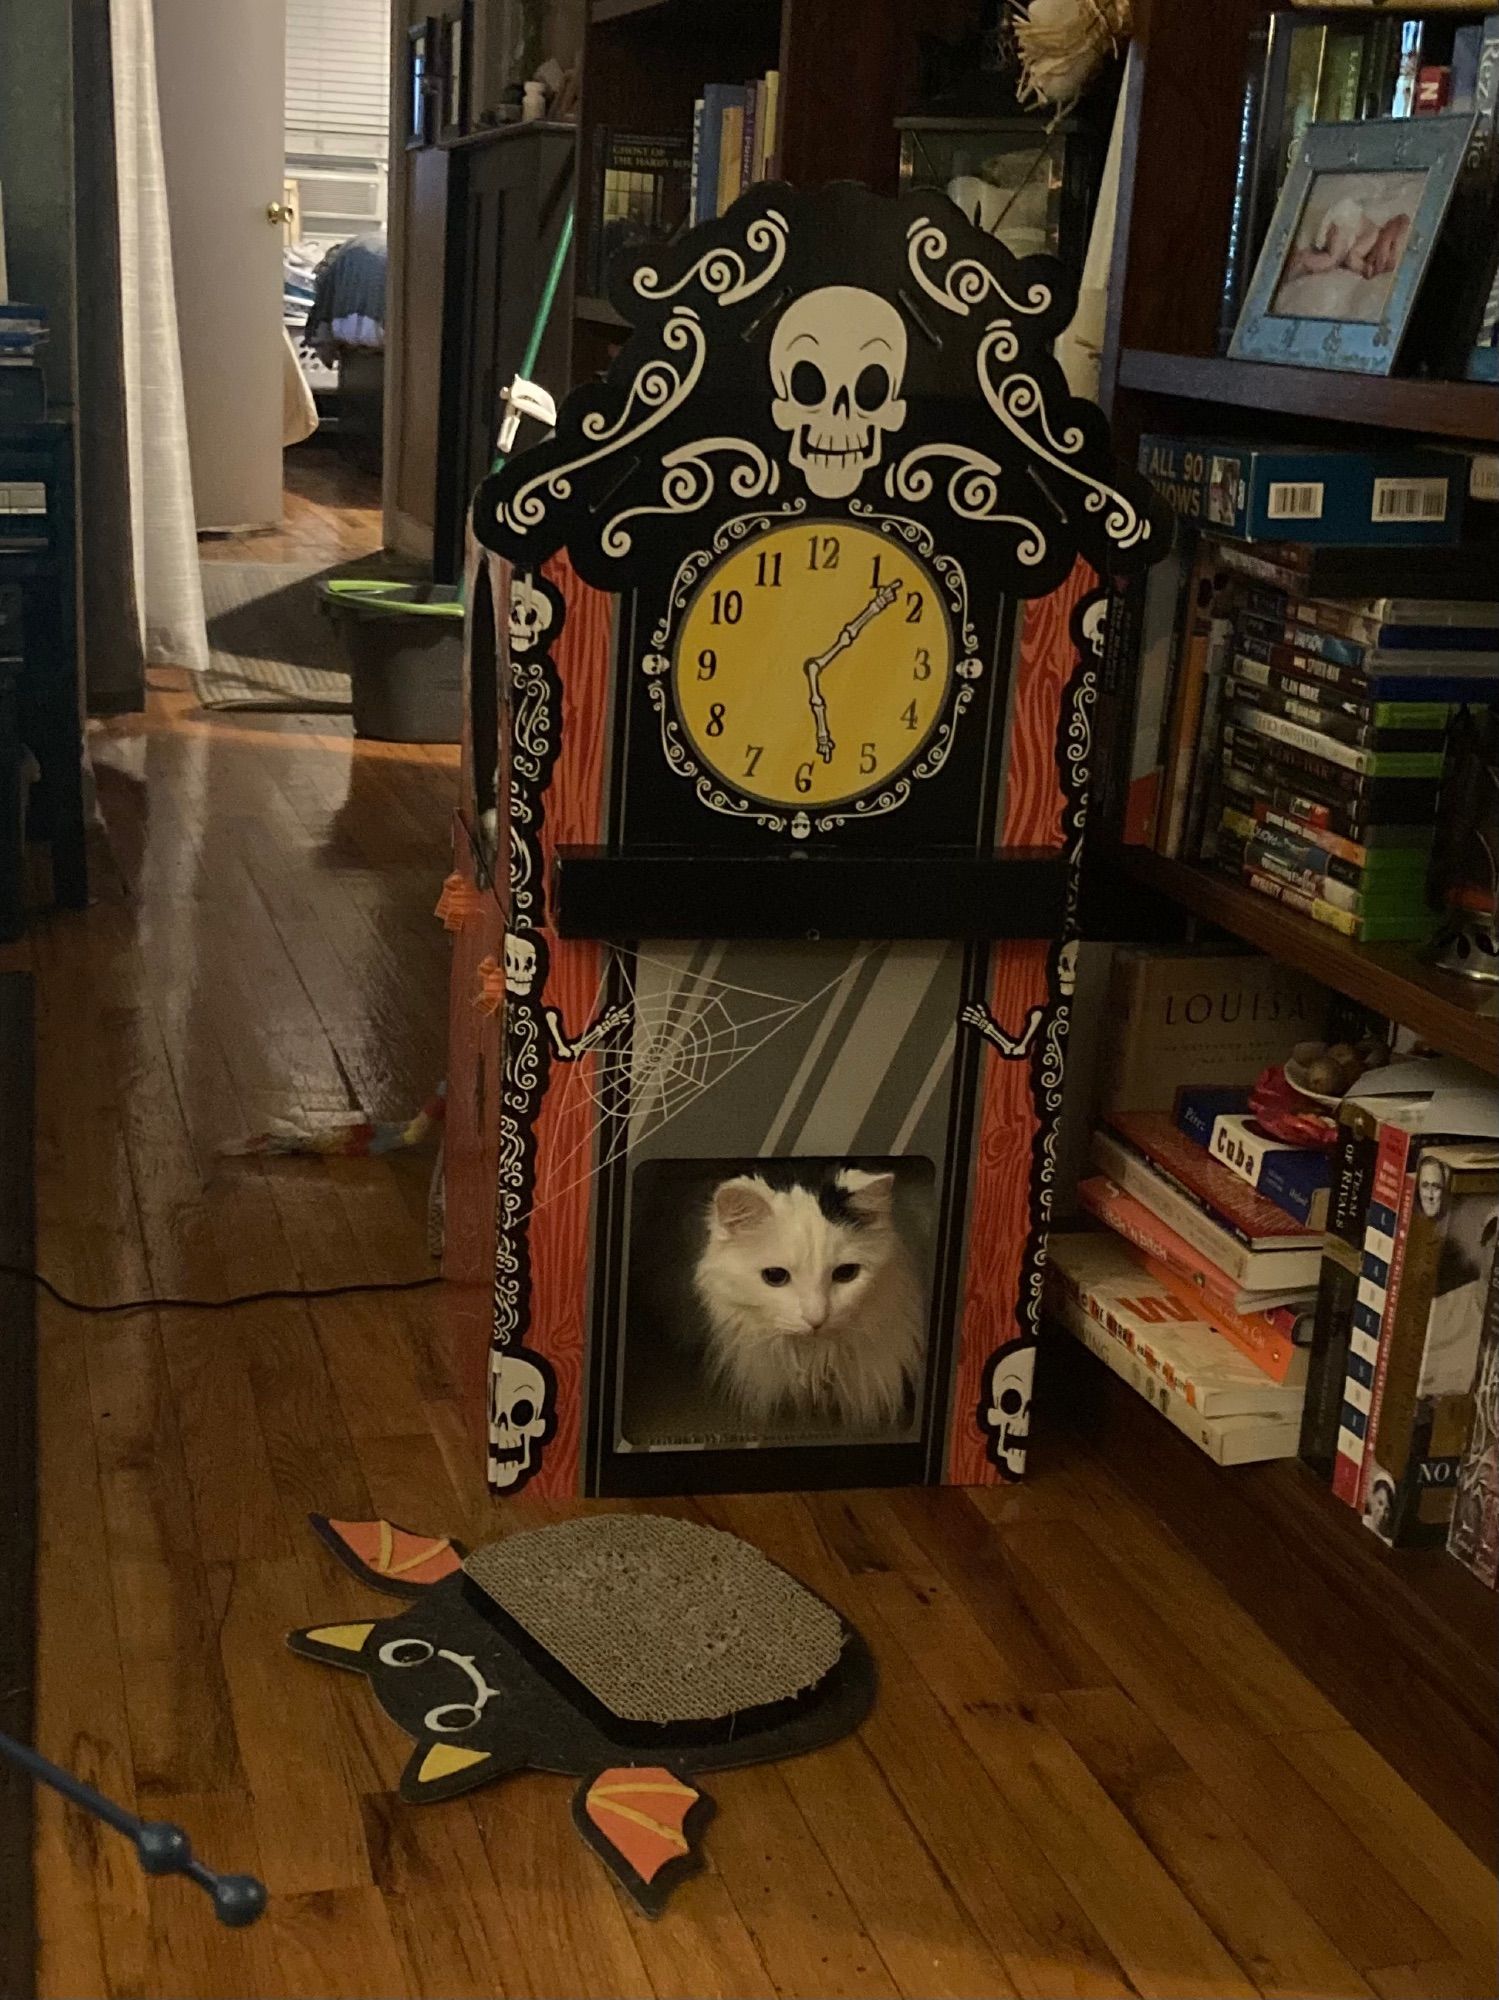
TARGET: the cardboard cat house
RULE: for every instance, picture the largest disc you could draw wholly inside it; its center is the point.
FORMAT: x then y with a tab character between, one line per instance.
782	657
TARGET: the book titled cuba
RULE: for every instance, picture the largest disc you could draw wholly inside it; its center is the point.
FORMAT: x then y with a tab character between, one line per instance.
1284	493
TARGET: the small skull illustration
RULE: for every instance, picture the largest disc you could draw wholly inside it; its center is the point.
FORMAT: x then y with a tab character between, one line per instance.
530	615
1095	620
520	964
518	1418
1007	1416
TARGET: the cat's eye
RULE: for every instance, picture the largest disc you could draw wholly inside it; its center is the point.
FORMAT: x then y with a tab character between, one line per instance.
844	1274
776	1274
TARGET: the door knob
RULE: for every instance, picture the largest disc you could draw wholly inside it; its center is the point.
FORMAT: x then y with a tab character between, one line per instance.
277	211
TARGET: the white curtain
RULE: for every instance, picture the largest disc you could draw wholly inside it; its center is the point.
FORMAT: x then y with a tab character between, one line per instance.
168	588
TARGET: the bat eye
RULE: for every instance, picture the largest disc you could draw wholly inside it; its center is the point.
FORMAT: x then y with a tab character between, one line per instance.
872	390
776	1274
844	1274
405	1653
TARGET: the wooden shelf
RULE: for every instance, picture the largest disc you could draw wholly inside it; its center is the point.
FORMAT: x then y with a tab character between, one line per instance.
1434	409
1384	1633
701	12
1458	1016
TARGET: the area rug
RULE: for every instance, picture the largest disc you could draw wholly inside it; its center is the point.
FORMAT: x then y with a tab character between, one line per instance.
270	646
17	1476
631	1652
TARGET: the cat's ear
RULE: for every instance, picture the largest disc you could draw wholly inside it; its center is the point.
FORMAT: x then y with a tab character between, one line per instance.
870	1196
739	1205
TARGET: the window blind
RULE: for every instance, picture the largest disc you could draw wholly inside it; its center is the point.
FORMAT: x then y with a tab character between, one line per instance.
338	74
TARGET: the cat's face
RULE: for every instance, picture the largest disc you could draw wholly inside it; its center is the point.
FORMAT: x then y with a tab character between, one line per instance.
798	1260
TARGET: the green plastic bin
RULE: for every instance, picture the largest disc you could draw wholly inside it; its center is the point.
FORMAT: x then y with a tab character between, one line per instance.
404	646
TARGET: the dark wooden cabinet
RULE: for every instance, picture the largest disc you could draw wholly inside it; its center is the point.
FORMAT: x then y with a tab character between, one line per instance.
508	196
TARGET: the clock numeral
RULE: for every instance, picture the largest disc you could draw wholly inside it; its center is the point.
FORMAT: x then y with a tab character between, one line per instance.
714	725
908	717
822	551
768	570
753	753
728	607
868	761
914	603
874	574
707	664
804	777
922	671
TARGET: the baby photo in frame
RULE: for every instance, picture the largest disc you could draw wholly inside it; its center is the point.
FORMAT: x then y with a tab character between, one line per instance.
1349	244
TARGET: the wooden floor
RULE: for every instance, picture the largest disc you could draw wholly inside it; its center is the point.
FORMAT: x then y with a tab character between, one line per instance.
1087	1773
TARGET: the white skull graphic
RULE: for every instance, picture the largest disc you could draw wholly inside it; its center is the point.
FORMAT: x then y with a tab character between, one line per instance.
517	1417
1009	1411
520	964
837	361
530	615
1067	969
1095	618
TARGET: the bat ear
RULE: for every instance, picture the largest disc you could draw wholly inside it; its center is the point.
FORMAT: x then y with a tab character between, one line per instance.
335	1645
438	1770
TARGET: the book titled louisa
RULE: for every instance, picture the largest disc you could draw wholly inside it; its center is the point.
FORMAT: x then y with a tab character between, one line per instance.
1256	493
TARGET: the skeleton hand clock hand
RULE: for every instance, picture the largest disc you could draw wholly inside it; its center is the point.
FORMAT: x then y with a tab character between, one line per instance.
883	598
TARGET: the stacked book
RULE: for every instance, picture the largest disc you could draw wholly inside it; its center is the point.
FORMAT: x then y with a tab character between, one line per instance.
23	335
733	142
1200	1292
1406	1278
1290	722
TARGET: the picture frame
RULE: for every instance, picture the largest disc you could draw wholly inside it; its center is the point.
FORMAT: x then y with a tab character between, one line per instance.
1350	240
451	89
1483	356
423	70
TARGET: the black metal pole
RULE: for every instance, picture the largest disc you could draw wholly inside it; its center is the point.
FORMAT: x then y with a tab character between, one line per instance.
161	1847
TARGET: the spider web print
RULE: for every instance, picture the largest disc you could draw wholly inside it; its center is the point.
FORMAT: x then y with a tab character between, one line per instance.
686	1032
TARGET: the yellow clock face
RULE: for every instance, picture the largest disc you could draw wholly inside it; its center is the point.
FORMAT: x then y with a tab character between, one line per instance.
813	664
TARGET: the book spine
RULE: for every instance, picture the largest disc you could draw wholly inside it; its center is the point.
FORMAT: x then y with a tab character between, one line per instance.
694	185
1376	726
1201	837
1388	1323
749	152
1132	1219
1380	1234
1403	100
1241	213
730	154
1174	1206
1332	1328
1186	715
1225	1440
1268	1341
708	164
1364	763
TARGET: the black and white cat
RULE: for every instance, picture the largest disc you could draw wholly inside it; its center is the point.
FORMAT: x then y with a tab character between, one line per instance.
810	1297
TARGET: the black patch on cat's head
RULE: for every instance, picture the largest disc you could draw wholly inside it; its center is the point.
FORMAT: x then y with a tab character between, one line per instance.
815	1178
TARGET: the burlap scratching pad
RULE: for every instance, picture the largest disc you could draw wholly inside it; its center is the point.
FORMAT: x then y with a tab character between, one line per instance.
662	1620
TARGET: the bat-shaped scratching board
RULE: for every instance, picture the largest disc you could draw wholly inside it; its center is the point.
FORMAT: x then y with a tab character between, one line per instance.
630	1651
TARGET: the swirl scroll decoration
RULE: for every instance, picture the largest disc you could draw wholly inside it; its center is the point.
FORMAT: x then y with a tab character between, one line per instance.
723	272
966	283
687	483
973	491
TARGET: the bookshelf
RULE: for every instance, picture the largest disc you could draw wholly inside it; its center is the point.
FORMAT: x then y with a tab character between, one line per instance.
1383	1634
1457	1016
846	73
1464	410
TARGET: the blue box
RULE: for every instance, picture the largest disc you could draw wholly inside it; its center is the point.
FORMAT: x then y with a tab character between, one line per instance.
1348	499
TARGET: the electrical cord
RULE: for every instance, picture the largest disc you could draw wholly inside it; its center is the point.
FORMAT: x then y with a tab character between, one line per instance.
297	1292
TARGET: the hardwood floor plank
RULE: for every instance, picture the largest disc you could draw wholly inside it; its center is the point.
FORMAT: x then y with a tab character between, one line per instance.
305	1812
699	1948
917	1925
194	1956
1438	1870
93	1924
1364	1908
1249	1906
1160	1939
453	1932
572	1932
1438	1979
234	1500
336	1944
805	1928
148	1502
